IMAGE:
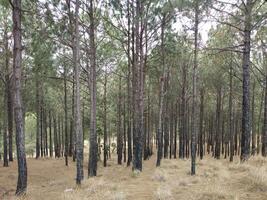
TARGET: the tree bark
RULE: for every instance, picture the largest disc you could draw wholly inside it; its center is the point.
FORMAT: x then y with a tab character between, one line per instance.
10	118
92	167
66	153
253	121
129	124
55	137
105	121
17	69
201	119
218	125
38	111
246	126
161	96
119	128
231	117
50	135
77	103
194	103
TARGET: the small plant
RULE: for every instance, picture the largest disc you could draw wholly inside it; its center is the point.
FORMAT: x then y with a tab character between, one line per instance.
135	173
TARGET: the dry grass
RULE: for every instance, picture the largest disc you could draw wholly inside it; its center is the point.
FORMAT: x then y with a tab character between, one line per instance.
215	180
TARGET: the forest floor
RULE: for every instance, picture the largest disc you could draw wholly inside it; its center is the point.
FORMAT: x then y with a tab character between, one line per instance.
215	180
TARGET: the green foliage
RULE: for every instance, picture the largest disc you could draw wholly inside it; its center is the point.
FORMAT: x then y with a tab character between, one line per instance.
30	133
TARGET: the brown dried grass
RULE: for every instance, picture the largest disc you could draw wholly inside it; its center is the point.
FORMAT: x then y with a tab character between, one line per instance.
215	179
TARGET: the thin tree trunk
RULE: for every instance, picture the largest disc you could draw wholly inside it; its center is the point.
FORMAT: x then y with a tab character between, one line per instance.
50	135
10	117
264	133
124	129
171	131
218	125
129	127
55	137
5	131
77	103
37	117
119	129
260	120
253	121
66	153
231	117
17	69
246	126
161	97
201	119
175	130
194	103
45	133
92	166
105	121
59	136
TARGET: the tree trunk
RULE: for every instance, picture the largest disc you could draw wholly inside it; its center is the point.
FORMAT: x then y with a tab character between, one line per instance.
77	103
175	130
194	103
59	137
161	97
253	121
5	103
171	131
38	111
129	127
45	132
231	117
124	129
138	80
50	135
10	118
92	166
5	131
55	137
66	153
119	129
166	125
218	125
17	69
264	133
201	119
259	131
246	127
105	121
